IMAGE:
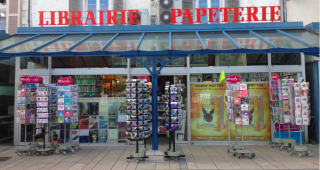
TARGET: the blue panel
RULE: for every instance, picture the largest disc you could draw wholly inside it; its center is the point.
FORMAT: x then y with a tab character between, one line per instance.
104	7
92	6
161	28
203	4
293	135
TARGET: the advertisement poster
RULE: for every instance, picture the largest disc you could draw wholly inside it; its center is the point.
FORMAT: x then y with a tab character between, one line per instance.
55	135
103	122
84	122
103	106
94	108
208	113
93	122
122	130
103	136
113	136
84	136
75	135
113	106
84	108
93	136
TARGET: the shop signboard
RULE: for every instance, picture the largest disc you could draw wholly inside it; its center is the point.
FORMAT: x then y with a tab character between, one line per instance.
30	79
208	113
284	127
144	77
65	81
25	79
275	76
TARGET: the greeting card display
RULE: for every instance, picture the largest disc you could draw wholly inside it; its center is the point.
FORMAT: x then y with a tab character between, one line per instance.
42	104
137	109
26	103
66	107
173	108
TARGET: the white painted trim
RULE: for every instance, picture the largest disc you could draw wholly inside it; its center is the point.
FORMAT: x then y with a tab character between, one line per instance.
90	71
13	14
228	69
270	78
188	101
303	71
19	13
286	68
164	71
16	126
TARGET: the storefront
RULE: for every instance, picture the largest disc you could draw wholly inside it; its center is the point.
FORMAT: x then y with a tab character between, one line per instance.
100	59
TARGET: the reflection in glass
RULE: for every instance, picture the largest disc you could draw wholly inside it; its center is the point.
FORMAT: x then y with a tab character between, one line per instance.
155	42
33	62
185	41
286	59
231	60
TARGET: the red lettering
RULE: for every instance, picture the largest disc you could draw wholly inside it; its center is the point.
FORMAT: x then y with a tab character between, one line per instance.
112	14
199	15
63	15
52	17
175	13
90	16
252	14
237	12
123	17
225	13
41	18
273	13
264	13
75	17
133	16
187	14
101	17
211	14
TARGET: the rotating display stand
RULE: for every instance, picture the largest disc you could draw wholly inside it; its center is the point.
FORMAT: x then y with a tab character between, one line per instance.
173	119
137	115
237	102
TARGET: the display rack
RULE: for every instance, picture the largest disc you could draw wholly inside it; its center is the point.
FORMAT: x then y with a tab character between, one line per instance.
237	102
137	115
43	117
173	119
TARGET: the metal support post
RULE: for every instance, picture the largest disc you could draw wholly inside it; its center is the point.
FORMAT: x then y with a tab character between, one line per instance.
154	104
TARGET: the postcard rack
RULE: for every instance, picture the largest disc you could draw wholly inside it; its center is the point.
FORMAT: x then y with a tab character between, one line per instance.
173	119
137	115
237	101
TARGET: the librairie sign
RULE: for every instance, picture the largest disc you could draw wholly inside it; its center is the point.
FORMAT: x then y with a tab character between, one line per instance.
74	17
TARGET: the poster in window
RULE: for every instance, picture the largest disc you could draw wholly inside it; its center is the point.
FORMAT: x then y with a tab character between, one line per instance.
75	125
113	135
93	136
113	107
103	106
103	122
122	106
84	122
118	61
84	136
93	122
103	136
55	135
94	108
84	108
122	130
75	135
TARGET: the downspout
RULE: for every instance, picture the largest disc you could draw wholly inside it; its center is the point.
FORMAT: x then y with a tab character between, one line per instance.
29	9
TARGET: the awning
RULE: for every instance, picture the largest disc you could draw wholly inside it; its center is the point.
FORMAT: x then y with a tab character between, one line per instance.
160	40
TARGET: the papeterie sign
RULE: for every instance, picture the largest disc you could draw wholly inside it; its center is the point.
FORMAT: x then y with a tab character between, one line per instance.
97	18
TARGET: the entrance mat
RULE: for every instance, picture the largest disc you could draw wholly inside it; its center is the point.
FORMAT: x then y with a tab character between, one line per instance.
4	158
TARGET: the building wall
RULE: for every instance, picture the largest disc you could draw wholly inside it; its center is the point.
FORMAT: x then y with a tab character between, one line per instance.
306	11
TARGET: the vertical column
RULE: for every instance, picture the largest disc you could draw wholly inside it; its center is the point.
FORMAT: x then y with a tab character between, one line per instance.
270	78
128	68
154	104
188	100
303	71
16	127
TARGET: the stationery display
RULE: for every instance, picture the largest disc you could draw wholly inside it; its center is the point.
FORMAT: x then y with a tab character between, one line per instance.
27	103
173	118
137	114
237	103
290	103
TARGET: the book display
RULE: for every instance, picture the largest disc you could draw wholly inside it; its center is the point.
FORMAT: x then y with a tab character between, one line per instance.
173	119
290	104
137	115
237	103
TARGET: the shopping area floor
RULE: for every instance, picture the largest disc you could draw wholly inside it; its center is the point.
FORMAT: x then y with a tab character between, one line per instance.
197	157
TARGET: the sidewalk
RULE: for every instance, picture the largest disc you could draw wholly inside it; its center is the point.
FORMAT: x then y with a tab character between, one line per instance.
197	157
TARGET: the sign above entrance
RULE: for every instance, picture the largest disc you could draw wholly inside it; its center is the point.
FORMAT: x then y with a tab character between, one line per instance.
275	76
131	17
30	79
65	81
233	78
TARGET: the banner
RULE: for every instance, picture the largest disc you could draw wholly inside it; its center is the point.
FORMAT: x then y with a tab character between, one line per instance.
208	113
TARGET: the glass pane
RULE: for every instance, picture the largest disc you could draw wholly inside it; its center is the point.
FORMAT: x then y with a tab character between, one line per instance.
143	59
94	43
13	39
203	4
155	42
286	58
231	60
92	6
179	62
89	62
282	41
185	41
248	40
257	59
216	41
63	44
305	35
31	44
124	42
33	62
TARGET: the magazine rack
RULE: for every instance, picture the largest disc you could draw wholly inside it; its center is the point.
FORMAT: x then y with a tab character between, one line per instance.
173	119
137	116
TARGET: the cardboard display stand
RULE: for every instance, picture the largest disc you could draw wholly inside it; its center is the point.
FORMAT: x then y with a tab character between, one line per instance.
137	115
173	119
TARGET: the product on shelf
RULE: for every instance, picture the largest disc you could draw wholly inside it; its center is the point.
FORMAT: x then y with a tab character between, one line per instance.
137	109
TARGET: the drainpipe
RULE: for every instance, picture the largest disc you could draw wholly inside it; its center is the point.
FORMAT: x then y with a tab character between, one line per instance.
29	9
